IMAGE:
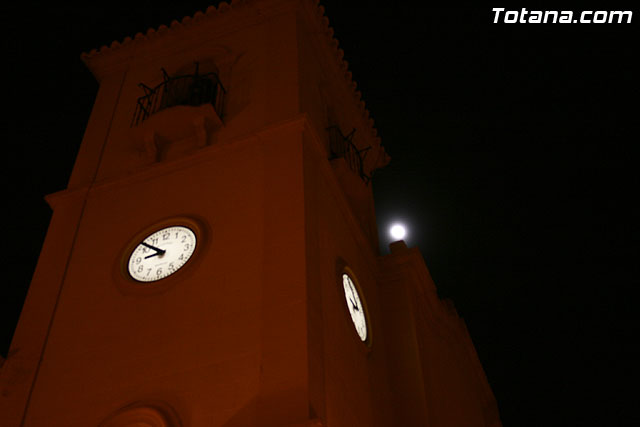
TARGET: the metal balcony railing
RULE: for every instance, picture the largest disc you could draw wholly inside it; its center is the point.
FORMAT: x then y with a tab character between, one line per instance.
193	89
342	146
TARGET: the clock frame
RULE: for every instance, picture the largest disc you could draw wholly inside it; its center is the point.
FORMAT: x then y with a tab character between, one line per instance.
129	285
346	273
162	254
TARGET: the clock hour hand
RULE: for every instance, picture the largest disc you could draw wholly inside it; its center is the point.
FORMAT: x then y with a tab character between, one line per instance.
152	255
158	250
354	305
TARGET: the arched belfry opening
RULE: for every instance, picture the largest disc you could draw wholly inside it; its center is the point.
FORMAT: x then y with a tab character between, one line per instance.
183	88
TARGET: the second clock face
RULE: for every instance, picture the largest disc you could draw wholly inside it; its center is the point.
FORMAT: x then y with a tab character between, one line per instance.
162	253
355	306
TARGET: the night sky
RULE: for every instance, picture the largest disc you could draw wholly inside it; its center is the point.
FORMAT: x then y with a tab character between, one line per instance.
514	166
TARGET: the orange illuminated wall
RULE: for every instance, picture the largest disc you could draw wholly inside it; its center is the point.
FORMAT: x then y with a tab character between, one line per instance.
255	329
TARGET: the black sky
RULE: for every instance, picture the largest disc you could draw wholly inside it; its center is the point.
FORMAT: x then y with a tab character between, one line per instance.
514	163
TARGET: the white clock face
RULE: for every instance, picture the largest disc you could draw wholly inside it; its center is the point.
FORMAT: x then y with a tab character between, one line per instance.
162	253
355	306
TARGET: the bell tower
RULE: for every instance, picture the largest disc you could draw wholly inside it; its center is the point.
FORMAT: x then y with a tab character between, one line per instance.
213	260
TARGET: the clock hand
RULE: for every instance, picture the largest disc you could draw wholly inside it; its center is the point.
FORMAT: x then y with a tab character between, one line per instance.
354	305
158	250
157	253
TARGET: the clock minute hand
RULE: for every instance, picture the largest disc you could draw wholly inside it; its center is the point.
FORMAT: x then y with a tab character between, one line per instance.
158	250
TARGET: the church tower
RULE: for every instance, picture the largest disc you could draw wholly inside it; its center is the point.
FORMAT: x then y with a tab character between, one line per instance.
213	260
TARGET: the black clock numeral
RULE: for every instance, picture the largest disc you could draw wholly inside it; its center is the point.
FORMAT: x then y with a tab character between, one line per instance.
183	238
148	271
171	267
165	236
140	268
186	246
181	257
138	260
159	271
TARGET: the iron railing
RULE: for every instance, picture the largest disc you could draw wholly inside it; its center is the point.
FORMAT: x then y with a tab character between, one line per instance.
193	89
342	146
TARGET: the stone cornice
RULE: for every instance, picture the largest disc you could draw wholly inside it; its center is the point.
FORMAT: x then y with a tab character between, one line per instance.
161	31
208	25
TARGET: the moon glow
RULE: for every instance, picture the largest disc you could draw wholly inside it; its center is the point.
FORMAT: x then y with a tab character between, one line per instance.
398	231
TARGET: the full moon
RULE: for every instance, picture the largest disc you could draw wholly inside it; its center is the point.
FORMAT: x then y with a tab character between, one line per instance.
398	231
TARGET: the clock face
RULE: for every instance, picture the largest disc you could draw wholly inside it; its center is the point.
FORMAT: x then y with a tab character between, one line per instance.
162	253
355	306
